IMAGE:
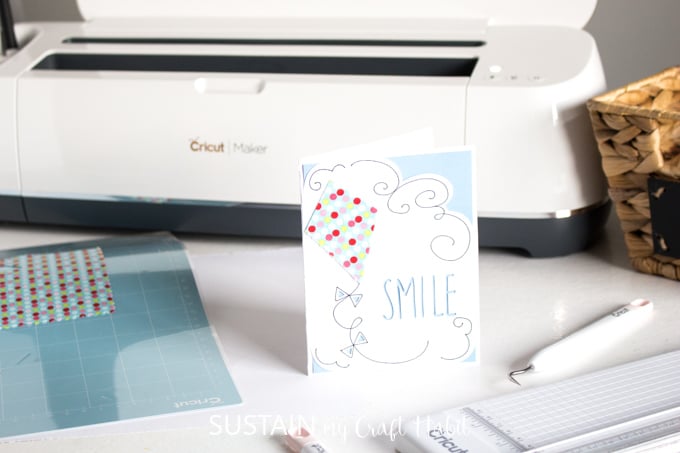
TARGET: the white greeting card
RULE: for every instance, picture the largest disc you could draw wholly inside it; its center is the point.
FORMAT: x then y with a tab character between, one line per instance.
391	256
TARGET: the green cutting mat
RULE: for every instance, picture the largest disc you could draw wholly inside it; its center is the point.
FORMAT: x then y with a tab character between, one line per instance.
154	355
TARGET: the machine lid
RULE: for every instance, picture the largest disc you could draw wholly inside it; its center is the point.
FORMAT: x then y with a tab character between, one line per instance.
570	13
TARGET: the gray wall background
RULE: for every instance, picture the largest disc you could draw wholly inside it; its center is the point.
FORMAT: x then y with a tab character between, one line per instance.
635	38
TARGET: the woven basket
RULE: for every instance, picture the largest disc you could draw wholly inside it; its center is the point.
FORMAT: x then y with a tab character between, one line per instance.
637	129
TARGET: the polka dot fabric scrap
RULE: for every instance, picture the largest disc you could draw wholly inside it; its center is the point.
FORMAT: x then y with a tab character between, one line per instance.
45	288
342	225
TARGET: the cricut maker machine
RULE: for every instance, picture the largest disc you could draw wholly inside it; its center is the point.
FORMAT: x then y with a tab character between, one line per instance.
192	116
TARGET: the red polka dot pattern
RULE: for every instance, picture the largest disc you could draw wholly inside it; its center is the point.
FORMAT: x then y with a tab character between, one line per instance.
45	288
342	225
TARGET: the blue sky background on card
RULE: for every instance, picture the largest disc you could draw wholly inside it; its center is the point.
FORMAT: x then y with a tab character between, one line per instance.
454	166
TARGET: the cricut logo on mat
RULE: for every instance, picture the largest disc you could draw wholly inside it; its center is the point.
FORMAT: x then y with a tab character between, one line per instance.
446	442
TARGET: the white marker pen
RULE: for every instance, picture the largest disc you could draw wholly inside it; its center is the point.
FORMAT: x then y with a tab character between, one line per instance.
584	342
301	441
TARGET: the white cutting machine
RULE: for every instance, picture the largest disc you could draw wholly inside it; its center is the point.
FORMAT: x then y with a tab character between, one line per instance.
193	116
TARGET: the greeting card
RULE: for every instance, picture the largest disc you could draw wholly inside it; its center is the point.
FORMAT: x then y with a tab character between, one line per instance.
391	256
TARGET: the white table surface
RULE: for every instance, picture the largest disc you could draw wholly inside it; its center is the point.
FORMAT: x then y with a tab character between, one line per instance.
253	294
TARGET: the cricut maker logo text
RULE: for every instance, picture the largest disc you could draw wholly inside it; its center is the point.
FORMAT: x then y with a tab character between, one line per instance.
202	146
197	145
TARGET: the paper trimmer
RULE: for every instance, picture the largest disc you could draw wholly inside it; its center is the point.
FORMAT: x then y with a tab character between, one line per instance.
631	407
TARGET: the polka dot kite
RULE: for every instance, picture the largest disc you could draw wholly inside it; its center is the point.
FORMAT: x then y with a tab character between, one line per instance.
342	225
45	288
